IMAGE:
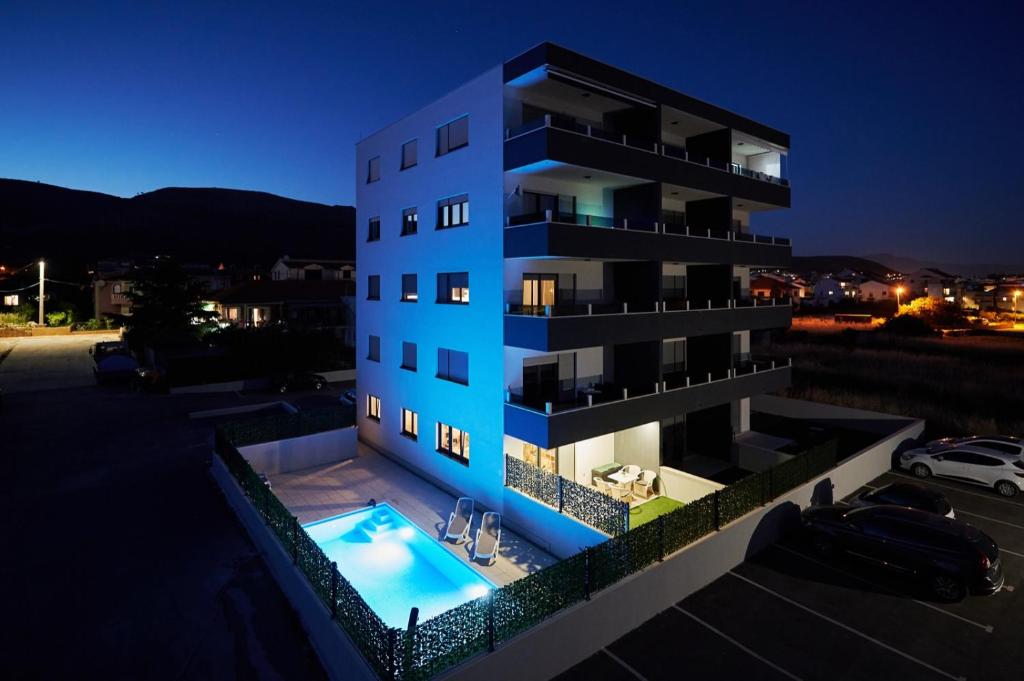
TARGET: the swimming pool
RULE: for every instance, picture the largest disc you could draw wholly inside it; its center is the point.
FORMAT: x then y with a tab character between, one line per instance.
394	565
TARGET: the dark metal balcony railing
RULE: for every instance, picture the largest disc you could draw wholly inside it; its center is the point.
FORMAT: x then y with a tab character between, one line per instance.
666	305
570	124
671	228
585	393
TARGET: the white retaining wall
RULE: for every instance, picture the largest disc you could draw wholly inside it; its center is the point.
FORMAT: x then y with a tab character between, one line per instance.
685	487
297	453
339	657
580	631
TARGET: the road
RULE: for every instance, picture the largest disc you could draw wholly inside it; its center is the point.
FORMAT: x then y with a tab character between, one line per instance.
120	557
48	362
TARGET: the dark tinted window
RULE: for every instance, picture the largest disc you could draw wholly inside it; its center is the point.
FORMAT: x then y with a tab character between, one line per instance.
452	136
409	154
982	460
410	221
373	171
409	293
373	287
998	446
409	356
955	457
453	287
373	230
1019	464
374	349
453	365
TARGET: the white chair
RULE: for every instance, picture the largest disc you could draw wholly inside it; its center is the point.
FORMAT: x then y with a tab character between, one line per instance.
622	492
602	486
460	520
631	470
488	538
644	485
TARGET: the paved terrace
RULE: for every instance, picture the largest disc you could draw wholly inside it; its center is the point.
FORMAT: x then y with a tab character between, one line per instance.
325	491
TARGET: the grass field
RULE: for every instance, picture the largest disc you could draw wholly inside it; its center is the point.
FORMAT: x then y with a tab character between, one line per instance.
961	385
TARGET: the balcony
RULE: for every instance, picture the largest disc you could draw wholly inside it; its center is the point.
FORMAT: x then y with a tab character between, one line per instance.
563	139
563	327
599	407
573	235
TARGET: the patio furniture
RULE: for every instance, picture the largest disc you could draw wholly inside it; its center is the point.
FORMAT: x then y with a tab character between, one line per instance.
602	485
624	478
604	470
488	537
460	520
644	485
622	492
631	469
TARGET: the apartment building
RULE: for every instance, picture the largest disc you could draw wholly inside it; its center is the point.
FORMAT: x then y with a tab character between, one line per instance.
554	266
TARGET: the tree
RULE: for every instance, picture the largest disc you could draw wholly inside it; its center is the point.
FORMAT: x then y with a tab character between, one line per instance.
166	305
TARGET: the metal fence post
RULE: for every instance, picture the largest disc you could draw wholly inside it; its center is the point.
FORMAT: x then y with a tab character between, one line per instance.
334	590
295	539
586	574
661	538
490	622
717	513
393	661
561	503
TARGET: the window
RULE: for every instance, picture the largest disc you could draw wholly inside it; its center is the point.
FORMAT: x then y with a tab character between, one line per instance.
453	212
453	287
1004	447
452	136
373	232
409	294
453	365
373	170
453	442
373	407
410	221
409	154
11	300
117	288
373	287
409	356
373	353
410	423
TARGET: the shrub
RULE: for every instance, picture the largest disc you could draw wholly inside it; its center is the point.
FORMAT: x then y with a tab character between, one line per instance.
59	318
908	325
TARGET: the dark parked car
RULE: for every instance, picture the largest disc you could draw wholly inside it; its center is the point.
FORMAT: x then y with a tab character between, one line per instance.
950	556
298	381
907	494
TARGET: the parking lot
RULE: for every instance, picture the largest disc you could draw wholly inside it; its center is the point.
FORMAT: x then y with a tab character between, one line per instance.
787	614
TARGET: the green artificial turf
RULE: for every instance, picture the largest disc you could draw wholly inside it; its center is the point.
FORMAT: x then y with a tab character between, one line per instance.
648	511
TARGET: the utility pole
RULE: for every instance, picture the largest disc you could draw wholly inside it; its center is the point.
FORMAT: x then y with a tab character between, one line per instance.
42	290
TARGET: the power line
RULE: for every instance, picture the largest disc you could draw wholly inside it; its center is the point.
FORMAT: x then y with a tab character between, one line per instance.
24	288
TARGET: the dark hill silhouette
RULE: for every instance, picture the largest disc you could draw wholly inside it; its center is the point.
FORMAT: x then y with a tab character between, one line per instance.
823	264
228	225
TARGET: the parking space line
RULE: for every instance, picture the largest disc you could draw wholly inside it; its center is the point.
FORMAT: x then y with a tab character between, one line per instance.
984	627
931	481
848	628
739	645
1012	553
985	517
623	664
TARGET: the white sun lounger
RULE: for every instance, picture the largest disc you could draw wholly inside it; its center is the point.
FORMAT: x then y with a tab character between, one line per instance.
460	519
488	538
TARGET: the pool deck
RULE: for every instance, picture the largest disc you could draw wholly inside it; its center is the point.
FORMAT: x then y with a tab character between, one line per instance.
325	491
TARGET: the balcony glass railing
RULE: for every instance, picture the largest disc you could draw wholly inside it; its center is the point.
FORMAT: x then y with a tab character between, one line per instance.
672	228
584	393
649	144
673	304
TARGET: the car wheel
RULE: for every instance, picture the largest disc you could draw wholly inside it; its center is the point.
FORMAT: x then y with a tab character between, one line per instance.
1006	488
921	471
947	588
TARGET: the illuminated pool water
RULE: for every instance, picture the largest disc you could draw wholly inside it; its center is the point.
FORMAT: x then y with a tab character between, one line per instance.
394	565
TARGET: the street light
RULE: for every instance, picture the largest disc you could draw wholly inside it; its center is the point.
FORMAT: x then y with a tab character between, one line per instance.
42	290
899	290
1016	295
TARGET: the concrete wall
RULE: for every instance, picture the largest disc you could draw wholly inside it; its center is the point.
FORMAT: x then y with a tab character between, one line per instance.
297	453
684	487
580	631
339	657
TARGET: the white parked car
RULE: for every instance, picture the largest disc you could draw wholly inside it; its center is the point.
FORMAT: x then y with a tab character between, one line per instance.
967	463
1006	444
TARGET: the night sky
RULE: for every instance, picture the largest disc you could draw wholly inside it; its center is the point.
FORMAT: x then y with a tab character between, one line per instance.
903	115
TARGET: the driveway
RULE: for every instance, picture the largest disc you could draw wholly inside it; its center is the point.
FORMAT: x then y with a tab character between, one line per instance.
120	558
48	362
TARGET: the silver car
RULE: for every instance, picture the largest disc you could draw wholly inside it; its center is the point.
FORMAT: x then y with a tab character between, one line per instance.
1007	444
967	463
